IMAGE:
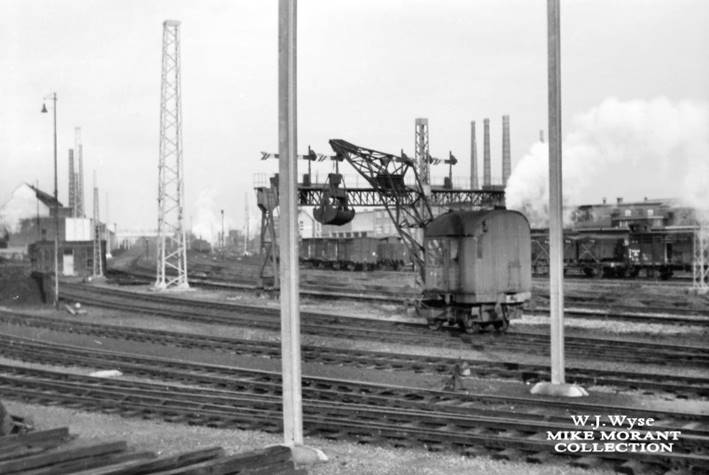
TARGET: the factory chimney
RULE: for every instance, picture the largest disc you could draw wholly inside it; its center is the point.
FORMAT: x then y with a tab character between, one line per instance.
79	199
473	158
72	184
506	158
487	178
541	136
97	255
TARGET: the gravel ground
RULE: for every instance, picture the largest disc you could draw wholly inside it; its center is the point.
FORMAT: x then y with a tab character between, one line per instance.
487	385
345	458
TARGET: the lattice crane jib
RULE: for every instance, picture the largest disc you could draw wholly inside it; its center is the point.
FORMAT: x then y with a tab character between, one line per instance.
407	205
171	240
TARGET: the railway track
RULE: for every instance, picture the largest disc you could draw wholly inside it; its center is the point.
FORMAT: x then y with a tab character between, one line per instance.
662	315
650	382
627	315
125	278
610	349
471	424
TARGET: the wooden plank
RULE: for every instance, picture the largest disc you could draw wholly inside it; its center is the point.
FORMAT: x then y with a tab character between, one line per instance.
31	447
165	463
58	455
60	433
256	459
72	466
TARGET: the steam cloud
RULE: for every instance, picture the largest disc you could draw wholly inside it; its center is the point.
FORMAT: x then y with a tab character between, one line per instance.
632	149
207	221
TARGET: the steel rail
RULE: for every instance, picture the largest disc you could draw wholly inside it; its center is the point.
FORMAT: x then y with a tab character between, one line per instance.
649	381
335	419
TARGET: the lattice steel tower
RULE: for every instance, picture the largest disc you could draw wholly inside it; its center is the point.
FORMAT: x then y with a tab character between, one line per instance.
171	243
97	260
421	151
700	278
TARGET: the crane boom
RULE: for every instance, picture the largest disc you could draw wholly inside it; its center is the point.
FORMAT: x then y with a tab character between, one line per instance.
406	205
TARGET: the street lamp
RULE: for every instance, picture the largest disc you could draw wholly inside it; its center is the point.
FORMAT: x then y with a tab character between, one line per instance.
53	97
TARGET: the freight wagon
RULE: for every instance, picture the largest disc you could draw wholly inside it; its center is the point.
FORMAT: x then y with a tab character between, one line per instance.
618	252
360	253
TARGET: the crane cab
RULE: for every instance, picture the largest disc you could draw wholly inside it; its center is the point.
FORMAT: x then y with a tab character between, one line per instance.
477	268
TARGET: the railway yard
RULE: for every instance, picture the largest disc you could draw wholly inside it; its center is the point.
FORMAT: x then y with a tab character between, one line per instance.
302	293
378	384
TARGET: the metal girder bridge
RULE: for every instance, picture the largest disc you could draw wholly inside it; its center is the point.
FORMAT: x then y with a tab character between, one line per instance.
312	195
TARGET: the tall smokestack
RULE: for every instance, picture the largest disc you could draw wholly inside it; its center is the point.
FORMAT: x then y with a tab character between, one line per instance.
72	184
506	159
80	209
541	136
473	158
487	178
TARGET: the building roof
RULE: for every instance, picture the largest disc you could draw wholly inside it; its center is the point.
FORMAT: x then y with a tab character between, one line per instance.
45	198
467	223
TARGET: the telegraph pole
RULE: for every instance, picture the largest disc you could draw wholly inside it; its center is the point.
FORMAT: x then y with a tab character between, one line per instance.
557	386
288	230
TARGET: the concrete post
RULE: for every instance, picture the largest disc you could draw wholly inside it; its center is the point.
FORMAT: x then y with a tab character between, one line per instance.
557	387
288	229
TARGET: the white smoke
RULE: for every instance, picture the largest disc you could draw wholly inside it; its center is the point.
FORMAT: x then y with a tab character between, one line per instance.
21	205
206	218
632	149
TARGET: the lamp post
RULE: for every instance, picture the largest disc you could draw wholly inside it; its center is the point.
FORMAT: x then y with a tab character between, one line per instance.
53	97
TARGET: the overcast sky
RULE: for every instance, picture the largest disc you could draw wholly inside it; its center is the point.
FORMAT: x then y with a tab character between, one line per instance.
366	70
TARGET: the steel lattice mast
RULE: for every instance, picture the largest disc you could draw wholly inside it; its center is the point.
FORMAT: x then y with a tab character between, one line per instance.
700	267
422	152
171	242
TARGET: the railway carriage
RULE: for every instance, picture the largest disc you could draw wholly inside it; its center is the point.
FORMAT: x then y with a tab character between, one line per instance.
478	268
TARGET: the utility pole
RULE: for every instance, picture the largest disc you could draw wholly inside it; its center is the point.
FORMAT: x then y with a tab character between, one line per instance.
557	386
288	230
171	241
